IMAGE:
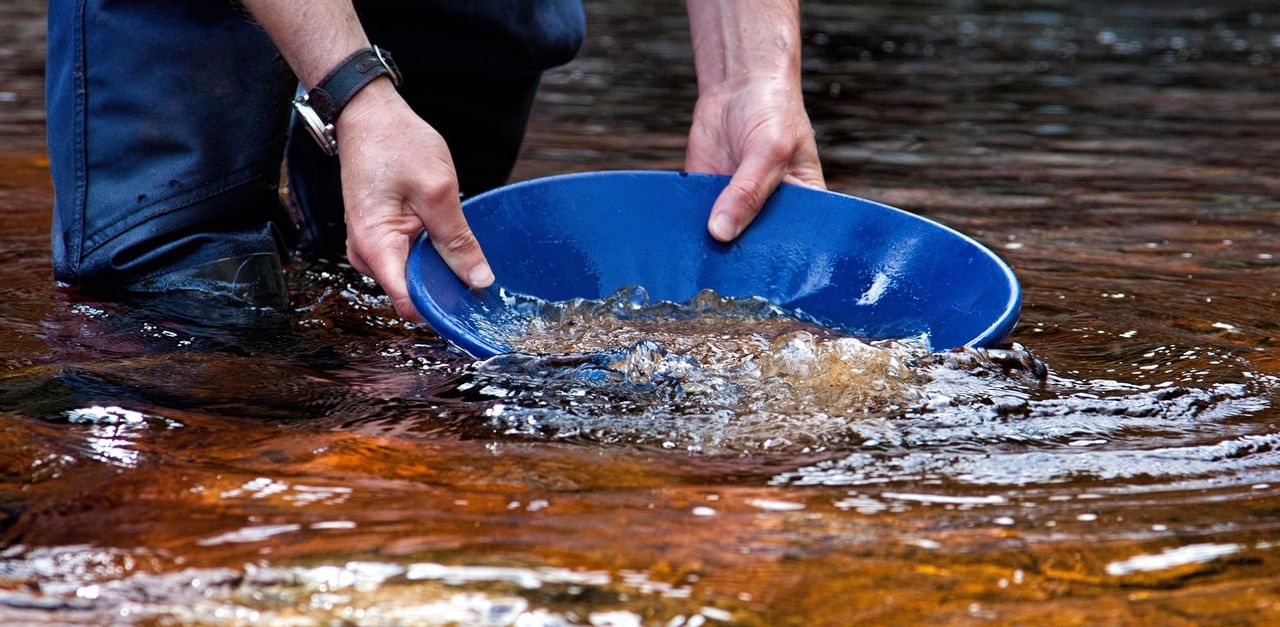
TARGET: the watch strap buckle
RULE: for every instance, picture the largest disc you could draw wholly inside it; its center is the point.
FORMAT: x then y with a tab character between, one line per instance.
384	57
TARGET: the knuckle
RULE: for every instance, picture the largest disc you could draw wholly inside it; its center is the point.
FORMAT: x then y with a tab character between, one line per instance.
460	242
358	245
354	255
778	151
356	259
441	191
404	306
747	194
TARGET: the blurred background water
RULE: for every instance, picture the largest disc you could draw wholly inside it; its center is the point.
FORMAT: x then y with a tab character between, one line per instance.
334	464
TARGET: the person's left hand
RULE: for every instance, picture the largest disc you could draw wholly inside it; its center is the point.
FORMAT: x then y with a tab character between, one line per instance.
398	179
756	130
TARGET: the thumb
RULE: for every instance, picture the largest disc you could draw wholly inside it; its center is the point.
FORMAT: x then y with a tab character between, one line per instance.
752	184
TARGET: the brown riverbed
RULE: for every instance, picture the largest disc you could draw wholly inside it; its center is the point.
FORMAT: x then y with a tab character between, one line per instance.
335	465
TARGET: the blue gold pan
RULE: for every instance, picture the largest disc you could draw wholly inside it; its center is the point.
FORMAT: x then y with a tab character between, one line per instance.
859	266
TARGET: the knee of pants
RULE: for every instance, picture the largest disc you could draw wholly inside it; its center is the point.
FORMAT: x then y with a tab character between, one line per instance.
234	223
166	123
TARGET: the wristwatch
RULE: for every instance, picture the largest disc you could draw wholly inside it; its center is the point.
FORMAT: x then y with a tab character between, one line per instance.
320	107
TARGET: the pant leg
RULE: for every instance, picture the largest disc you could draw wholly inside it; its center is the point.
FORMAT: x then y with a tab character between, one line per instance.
471	71
166	127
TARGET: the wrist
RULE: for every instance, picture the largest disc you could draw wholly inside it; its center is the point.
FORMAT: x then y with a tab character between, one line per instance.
321	108
767	87
730	75
367	104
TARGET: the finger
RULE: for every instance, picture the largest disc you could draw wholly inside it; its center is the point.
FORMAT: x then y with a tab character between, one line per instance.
385	262
356	261
752	184
441	213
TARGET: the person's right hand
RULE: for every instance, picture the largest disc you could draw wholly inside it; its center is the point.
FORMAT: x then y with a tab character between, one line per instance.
397	179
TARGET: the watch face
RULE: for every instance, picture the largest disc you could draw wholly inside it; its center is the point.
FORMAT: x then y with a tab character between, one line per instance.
319	131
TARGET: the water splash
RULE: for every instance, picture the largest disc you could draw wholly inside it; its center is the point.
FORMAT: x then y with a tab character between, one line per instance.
718	374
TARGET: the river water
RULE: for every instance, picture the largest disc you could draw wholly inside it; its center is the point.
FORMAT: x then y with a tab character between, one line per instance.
336	465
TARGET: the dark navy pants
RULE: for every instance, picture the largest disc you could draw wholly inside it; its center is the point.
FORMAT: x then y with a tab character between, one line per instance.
168	122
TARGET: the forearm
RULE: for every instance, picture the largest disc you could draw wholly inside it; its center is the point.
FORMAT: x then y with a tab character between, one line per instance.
749	120
736	40
397	175
314	35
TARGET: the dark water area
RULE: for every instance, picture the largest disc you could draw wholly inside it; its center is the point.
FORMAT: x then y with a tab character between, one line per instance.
335	465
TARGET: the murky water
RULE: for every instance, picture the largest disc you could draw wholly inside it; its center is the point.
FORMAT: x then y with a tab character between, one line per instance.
334	464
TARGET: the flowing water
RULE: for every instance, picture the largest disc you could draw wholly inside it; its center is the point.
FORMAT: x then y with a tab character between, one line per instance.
1120	464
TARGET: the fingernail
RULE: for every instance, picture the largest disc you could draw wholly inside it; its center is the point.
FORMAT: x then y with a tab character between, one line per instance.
480	276
722	228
